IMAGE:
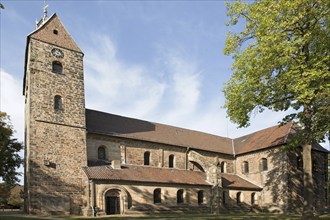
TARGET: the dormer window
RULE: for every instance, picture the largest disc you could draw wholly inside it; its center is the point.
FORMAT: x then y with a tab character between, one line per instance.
57	67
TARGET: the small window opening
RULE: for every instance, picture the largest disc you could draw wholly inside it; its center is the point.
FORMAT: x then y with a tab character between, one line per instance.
58	103
253	198
55	31
101	153
200	196
263	164
239	198
223	167
179	196
147	158
157	195
57	67
171	161
245	168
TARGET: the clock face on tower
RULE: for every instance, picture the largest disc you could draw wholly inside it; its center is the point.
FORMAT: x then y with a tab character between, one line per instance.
57	53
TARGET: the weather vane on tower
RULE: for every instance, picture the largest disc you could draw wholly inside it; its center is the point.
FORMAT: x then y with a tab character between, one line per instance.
44	17
45	11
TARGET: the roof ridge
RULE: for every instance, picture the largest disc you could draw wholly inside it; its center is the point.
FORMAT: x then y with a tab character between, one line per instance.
157	123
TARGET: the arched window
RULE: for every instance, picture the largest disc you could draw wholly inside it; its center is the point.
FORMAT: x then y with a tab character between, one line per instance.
200	196
101	153
57	67
58	103
239	198
157	195
263	164
223	167
253	198
179	196
171	161
146	158
245	167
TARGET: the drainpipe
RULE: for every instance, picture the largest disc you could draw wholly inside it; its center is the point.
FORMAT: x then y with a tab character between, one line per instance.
187	157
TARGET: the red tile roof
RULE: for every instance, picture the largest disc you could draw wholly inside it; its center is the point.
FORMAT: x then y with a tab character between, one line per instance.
273	136
147	174
114	125
124	127
163	175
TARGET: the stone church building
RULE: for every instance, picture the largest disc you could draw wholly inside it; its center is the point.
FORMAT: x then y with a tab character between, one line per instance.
79	160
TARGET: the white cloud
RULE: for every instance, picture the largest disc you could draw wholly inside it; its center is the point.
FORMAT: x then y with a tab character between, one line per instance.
170	94
136	90
12	102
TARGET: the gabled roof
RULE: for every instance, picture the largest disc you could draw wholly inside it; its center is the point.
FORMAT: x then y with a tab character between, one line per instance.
62	39
119	126
269	137
124	127
44	33
148	174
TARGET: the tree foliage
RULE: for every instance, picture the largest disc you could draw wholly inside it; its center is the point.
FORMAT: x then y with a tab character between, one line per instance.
10	160
282	62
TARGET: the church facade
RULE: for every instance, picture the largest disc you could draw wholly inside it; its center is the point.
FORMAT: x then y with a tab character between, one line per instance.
81	161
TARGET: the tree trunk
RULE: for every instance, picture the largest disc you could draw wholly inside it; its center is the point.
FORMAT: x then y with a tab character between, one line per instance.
308	183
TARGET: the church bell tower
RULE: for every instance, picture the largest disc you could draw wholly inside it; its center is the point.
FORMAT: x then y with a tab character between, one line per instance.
55	133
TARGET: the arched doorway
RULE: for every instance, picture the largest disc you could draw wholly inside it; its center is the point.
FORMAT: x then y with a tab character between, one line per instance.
112	202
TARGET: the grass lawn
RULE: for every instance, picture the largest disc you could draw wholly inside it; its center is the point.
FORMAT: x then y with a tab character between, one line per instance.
164	217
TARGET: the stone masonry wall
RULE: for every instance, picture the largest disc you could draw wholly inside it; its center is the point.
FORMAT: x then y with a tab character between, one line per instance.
295	180
55	139
141	196
273	180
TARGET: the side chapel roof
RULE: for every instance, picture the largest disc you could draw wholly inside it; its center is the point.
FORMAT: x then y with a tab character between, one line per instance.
164	175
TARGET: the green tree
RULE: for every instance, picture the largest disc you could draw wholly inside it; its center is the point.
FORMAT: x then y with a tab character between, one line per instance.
282	62
1	6
10	160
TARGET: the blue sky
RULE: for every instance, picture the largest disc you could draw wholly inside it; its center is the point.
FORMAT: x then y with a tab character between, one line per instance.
160	61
